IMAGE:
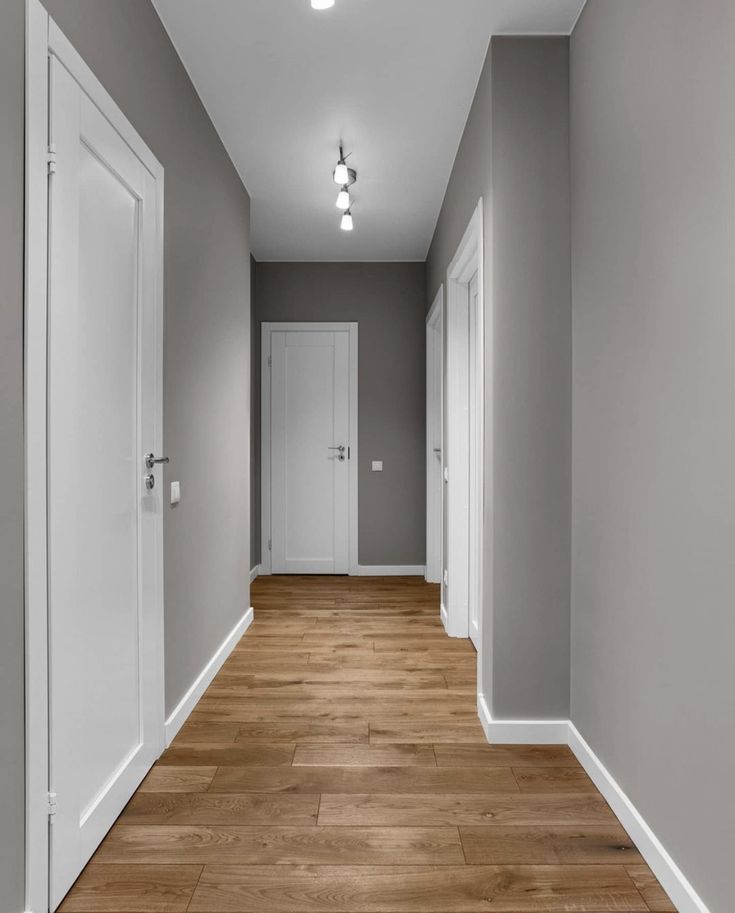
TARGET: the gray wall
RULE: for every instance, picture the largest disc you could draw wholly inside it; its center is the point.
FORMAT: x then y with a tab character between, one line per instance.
207	333
515	153
388	302
12	773
653	164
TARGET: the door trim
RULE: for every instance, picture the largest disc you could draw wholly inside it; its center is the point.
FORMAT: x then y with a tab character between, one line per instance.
468	260
44	39
265	433
434	417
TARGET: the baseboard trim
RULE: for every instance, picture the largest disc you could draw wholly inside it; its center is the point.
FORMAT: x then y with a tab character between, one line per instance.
443	615
673	880
521	732
203	680
254	572
391	570
564	732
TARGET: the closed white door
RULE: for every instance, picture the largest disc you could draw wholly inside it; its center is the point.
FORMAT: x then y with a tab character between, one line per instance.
310	451
434	483
475	455
104	524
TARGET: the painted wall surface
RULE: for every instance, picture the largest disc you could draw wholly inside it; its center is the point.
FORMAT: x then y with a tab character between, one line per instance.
12	756
515	154
653	191
388	302
207	326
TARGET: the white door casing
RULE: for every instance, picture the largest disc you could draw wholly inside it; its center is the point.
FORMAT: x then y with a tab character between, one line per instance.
434	438
466	598
309	448
94	543
475	461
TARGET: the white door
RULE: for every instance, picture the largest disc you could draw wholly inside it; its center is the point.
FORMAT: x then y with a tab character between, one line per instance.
475	455
434	483
310	451
104	525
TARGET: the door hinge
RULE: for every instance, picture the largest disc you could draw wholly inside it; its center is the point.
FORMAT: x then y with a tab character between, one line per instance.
51	804
270	545
51	158
270	361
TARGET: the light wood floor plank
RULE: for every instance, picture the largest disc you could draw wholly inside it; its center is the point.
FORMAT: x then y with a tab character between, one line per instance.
364	756
581	845
488	810
281	845
408	780
232	755
651	891
131	888
401	889
553	779
505	756
298	810
178	779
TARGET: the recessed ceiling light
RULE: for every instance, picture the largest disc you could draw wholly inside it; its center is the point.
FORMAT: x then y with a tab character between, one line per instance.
321	4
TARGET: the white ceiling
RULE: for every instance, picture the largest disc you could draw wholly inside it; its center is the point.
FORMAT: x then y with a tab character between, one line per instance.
393	78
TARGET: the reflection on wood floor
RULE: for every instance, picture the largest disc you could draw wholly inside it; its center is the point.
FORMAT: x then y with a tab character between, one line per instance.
336	765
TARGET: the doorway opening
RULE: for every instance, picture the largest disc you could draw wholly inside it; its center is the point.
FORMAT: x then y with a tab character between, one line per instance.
464	465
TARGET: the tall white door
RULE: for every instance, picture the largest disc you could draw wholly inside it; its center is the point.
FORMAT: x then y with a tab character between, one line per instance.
475	455
104	524
434	482
310	451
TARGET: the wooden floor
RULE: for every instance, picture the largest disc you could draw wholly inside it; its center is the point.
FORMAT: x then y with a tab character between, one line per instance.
337	765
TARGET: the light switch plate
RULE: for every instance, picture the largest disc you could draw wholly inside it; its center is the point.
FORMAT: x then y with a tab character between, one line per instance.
175	492
377	465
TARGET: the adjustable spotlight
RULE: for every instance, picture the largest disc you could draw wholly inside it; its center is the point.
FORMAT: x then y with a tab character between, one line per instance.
343	198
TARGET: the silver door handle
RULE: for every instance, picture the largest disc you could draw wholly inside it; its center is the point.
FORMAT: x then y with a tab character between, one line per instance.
340	448
151	460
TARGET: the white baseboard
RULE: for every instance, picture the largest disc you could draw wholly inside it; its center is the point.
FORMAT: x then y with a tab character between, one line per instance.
443	615
564	732
391	570
673	880
254	572
521	732
203	680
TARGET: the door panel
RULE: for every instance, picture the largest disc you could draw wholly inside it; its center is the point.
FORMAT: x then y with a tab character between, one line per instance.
106	715
309	481
475	454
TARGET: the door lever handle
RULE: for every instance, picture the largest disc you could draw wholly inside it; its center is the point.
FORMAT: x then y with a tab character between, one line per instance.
151	460
340	448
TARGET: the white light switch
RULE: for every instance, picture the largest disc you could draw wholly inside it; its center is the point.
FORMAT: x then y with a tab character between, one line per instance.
175	492
377	465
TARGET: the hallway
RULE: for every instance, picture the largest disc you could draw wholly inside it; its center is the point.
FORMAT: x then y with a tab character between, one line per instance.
336	765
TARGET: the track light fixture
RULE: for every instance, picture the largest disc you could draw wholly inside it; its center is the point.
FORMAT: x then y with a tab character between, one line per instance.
345	177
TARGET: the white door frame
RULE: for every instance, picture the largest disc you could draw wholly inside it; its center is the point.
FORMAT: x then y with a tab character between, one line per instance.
44	39
434	432
460	538
265	433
